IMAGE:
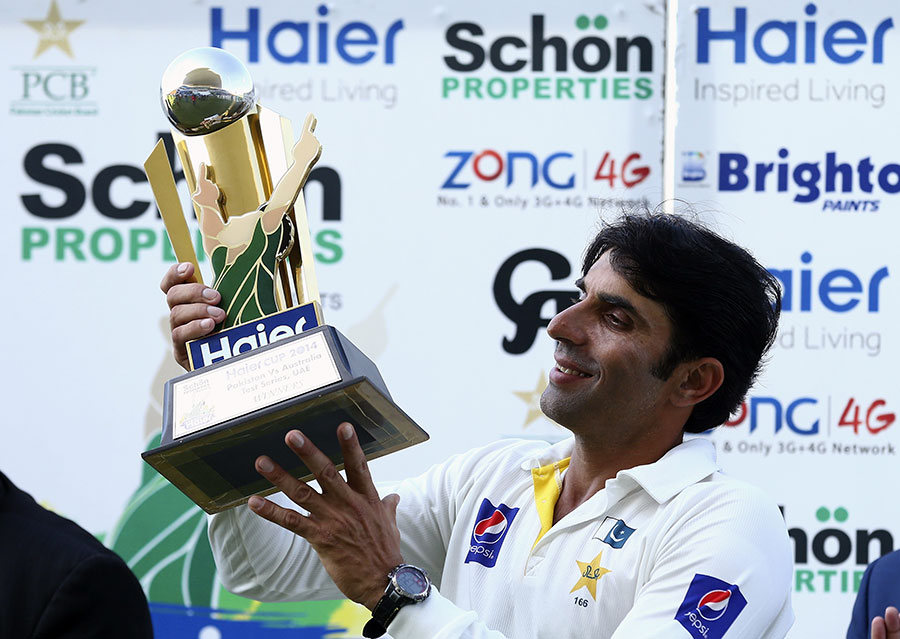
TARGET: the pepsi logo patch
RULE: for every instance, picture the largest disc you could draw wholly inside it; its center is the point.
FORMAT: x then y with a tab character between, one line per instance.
492	529
492	523
714	604
710	607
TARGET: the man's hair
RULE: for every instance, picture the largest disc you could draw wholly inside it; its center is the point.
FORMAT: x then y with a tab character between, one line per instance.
721	301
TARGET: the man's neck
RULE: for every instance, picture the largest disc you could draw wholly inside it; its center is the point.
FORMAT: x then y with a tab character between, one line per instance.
592	465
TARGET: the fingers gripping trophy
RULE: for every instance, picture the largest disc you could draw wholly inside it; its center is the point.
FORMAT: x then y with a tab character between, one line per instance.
272	365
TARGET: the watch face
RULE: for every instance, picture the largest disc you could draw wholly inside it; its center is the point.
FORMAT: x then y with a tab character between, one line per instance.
411	580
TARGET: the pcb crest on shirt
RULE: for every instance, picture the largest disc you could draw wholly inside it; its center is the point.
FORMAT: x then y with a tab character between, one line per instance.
710	607
492	523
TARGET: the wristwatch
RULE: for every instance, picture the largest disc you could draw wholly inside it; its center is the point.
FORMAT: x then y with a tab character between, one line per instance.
406	585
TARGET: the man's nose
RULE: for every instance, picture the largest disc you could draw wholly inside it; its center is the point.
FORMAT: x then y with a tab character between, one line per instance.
566	326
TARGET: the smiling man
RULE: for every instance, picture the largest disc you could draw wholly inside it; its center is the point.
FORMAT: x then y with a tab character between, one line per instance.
625	530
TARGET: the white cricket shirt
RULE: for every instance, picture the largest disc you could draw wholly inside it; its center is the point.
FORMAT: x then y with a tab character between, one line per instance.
670	549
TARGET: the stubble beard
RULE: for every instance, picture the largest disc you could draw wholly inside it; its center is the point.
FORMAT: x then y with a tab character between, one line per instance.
563	411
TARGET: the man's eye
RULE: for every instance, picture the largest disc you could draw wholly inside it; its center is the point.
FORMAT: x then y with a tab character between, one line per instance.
615	320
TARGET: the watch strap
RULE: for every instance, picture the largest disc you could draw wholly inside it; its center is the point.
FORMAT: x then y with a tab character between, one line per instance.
383	614
373	629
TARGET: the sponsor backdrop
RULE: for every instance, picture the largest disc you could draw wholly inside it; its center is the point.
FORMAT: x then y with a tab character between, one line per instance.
786	134
470	152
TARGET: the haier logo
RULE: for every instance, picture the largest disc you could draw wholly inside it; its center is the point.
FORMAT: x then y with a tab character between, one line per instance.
809	179
251	335
306	42
838	290
789	41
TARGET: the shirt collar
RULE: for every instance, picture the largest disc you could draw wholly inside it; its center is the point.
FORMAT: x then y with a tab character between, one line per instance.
682	466
550	454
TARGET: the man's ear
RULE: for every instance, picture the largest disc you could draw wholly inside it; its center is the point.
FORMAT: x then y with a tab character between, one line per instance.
700	378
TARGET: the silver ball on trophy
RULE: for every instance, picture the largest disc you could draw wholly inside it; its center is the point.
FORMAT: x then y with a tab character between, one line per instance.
206	89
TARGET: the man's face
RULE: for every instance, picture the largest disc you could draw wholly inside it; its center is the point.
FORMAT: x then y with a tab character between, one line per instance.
607	346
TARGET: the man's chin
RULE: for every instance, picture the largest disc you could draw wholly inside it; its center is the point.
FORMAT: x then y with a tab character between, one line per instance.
555	410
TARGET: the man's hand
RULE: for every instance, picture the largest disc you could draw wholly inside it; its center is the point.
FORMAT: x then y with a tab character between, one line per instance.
353	531
192	313
887	627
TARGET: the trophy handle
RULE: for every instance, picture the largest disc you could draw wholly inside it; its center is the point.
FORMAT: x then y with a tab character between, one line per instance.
159	173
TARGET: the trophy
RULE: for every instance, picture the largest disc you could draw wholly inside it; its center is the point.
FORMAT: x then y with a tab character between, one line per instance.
272	365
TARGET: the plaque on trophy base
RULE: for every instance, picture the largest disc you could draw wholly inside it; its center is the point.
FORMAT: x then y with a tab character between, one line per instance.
220	418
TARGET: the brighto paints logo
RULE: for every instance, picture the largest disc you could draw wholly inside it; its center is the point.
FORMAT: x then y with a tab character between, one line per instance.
831	181
540	64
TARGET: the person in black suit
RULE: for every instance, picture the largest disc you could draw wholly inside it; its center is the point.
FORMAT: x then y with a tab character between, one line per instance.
877	600
58	581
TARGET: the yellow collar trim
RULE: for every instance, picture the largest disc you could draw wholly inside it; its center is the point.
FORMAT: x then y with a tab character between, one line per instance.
547	486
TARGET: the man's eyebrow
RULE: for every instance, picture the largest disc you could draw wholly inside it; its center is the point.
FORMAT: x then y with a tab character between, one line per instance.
616	300
610	299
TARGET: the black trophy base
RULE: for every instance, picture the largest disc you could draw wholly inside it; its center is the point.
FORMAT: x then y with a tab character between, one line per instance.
214	464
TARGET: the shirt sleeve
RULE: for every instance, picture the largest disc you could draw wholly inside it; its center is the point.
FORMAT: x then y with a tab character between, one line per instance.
258	559
722	569
439	618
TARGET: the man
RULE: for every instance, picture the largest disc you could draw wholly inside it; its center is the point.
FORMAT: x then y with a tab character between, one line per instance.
58	581
879	594
624	530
